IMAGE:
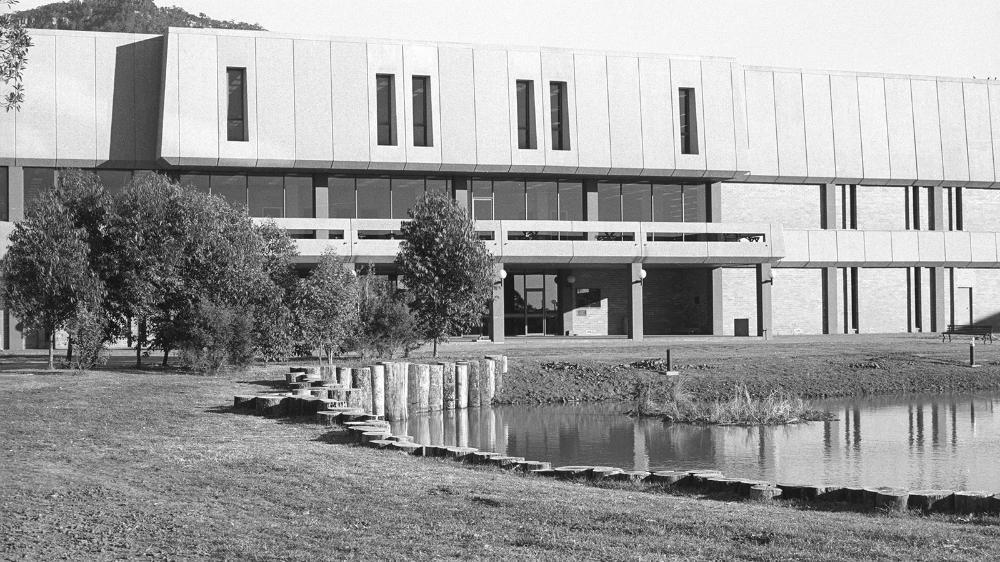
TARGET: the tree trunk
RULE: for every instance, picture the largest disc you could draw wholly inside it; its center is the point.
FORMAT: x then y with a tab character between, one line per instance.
140	338
52	346
69	350
435	347
166	353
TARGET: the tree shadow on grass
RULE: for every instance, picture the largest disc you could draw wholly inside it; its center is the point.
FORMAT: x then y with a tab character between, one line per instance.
269	383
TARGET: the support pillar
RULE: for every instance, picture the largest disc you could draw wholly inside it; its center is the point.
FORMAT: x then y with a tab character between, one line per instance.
828	220
321	203
15	193
590	205
716	304
714	203
14	336
497	306
635	317
939	321
764	283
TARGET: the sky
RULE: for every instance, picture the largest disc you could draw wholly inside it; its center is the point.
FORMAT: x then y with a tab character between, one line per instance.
958	38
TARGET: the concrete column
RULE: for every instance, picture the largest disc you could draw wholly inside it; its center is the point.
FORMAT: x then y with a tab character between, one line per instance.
460	191
497	306
828	205
829	300
939	321
14	336
590	205
937	214
714	204
764	283
15	193
716	304
321	203
635	316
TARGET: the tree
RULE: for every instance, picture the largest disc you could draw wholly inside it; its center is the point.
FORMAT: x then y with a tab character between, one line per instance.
327	307
385	323
47	274
446	267
14	45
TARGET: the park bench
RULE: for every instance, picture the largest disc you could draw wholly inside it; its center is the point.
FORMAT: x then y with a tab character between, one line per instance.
983	331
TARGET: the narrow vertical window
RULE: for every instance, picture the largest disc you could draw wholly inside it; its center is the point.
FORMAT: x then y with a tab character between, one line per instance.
422	132
559	115
236	116
526	114
688	120
385	85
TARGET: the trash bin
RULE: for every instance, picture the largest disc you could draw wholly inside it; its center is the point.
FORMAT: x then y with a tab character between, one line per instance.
741	327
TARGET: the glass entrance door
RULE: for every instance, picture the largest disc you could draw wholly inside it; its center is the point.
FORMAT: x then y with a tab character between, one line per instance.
532	304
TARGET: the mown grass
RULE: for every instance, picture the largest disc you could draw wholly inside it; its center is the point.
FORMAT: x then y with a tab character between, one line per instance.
126	465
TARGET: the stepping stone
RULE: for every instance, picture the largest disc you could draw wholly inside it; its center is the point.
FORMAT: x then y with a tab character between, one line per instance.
380	443
567	472
602	472
632	476
501	461
763	492
969	502
528	466
932	501
668	477
543	472
408	448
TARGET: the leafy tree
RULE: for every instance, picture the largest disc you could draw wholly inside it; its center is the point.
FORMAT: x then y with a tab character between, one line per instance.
385	323
327	307
125	16
47	276
14	45
445	266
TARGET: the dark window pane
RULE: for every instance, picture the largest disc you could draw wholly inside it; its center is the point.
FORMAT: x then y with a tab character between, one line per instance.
525	114
37	180
237	113
668	203
543	200
299	200
570	201
508	200
482	200
373	198
405	192
232	188
199	182
267	196
422	111
636	202
609	202
385	85
559	115
342	198
114	181
4	195
437	185
688	121
695	203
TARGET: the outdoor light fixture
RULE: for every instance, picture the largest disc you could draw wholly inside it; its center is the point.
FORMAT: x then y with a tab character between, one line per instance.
570	279
642	274
503	274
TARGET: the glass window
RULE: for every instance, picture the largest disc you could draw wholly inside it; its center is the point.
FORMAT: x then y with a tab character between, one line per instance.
543	200
438	185
4	195
299	200
198	182
482	200
373	198
526	114
114	181
237	113
36	181
609	202
688	121
267	196
405	192
508	200
636	202
343	201
559	115
570	201
385	96
231	187
695	203
668	203
422	111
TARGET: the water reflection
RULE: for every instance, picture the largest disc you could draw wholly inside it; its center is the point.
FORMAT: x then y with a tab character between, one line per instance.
912	442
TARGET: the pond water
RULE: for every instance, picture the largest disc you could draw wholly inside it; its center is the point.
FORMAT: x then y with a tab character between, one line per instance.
915	442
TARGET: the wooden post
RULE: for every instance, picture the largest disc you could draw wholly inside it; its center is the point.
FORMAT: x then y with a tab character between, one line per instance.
462	384
273	406
244	402
378	389
418	388
362	385
344	377
435	400
475	383
436	420
396	391
487	370
326	373
448	386
462	427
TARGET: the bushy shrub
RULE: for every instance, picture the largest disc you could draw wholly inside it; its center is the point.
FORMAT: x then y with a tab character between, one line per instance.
385	325
89	334
215	336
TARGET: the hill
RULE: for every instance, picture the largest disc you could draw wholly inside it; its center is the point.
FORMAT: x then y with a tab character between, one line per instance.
129	16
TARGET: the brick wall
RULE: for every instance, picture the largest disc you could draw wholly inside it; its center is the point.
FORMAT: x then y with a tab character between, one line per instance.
985	285
883	208
739	297
797	301
980	209
882	300
794	206
611	317
677	301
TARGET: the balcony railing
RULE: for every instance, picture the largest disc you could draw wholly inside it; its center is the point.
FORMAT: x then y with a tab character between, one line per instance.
891	248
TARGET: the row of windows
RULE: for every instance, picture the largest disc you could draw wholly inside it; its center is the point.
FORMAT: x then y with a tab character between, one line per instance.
423	133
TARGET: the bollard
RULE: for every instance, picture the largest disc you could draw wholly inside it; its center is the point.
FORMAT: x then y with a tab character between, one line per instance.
435	400
378	389
448	386
396	391
972	352
462	385
670	365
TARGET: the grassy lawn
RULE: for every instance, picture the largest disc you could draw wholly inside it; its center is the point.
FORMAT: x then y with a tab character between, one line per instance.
123	465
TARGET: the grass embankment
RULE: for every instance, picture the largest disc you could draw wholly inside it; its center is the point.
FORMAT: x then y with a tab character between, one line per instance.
123	465
791	366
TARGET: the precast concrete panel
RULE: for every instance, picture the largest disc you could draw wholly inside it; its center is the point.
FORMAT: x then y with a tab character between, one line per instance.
719	128
850	247
275	76
657	116
198	99
115	95
822	246
351	83
762	125
559	67
994	95
984	248
422	60
493	152
846	128
148	56
625	114
818	115
525	65
313	91
878	248
237	52
955	150
927	131
458	109
168	141
386	58
796	249
790	120
686	73
740	118
977	128
931	247
958	247
905	247
36	121
590	74
874	129
899	119
76	100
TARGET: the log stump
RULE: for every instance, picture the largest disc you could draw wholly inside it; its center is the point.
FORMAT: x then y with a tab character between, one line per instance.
396	391
327	373
328	419
764	492
361	382
630	476
378	389
932	501
668	477
415	449
488	381
435	399
448	386
574	471
528	466
969	502
892	500
602	472
244	402
272	406
419	388
475	383
462	385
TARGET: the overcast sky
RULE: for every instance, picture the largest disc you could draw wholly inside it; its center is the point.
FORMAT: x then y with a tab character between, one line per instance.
935	37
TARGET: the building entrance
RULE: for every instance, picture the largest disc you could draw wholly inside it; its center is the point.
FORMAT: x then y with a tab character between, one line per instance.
533	306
